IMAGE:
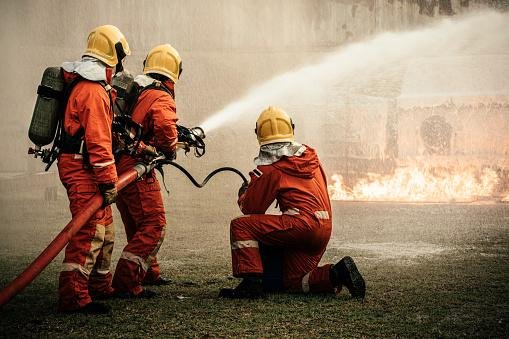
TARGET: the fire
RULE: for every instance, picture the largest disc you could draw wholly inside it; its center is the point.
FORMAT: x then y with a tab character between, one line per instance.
412	184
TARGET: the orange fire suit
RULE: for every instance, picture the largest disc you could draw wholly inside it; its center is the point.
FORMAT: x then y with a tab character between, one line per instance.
302	232
86	267
141	204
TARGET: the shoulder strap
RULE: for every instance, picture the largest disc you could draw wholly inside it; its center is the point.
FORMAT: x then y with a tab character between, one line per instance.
160	86
138	91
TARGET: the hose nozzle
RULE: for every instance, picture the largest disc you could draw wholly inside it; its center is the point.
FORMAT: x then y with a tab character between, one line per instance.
193	137
198	131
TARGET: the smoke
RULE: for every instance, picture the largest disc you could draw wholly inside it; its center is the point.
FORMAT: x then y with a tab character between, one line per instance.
477	34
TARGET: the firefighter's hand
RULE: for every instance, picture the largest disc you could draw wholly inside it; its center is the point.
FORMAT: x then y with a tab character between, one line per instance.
109	193
183	145
149	153
242	189
170	155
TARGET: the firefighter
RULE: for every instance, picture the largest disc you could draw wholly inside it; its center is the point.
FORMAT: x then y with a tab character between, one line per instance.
86	166
289	245
141	204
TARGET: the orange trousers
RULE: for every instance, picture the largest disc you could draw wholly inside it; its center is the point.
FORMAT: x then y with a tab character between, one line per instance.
301	240
86	268
141	207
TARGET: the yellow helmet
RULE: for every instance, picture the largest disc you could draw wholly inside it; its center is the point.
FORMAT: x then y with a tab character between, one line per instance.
274	125
107	44
164	60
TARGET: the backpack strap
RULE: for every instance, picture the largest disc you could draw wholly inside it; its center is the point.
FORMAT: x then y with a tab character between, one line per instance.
129	131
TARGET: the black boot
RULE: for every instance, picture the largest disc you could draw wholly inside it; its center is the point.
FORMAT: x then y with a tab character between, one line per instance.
92	308
249	288
144	294
158	282
345	273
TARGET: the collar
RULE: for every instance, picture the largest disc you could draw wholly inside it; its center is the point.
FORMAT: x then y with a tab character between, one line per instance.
89	68
143	80
271	153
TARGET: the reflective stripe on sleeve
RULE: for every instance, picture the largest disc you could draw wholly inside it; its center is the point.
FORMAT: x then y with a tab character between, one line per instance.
244	244
301	150
136	259
241	216
103	164
104	272
70	267
305	283
257	172
291	211
322	215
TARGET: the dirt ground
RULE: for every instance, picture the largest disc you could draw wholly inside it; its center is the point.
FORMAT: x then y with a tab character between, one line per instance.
432	270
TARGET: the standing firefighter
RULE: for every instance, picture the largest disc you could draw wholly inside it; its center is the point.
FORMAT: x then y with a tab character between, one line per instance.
86	166
289	245
140	204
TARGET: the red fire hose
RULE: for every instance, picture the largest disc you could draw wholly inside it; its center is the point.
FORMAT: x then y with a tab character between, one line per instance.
50	252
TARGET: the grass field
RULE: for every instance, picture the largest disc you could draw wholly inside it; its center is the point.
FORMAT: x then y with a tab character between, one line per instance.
431	271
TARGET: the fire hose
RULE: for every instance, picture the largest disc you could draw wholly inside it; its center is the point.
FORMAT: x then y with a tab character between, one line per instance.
80	219
208	177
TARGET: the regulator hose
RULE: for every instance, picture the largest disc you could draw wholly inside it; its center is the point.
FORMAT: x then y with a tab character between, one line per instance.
208	177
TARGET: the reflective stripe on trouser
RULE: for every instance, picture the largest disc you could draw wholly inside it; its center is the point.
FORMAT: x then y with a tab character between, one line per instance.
315	281
302	239
153	273
141	208
85	270
79	282
100	278
131	267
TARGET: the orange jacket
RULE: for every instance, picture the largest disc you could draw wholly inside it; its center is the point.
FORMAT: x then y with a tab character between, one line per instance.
89	112
298	183
156	112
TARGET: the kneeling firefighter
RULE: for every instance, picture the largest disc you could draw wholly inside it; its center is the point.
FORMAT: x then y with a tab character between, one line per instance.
86	166
140	204
282	252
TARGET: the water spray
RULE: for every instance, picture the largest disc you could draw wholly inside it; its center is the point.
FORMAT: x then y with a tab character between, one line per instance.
357	63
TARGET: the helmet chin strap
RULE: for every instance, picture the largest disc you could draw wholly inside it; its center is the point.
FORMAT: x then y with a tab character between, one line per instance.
119	49
119	67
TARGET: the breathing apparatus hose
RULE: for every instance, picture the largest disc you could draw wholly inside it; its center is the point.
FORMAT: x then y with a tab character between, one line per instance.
208	177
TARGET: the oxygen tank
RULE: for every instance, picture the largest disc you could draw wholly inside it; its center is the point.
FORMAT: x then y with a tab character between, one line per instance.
123	83
47	107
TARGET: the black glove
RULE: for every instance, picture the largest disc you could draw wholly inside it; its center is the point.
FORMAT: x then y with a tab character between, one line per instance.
109	193
242	189
170	155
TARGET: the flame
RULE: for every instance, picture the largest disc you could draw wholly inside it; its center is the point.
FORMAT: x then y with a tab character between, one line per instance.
413	184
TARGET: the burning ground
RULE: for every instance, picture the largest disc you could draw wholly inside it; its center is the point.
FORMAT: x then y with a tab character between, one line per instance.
413	184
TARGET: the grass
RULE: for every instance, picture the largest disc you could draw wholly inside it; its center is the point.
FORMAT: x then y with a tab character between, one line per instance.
461	292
